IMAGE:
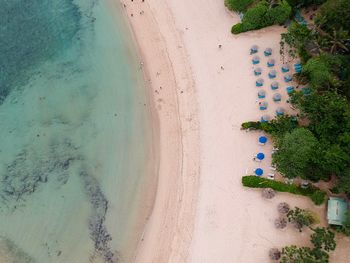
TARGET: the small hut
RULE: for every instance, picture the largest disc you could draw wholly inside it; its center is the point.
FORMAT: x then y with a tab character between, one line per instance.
337	209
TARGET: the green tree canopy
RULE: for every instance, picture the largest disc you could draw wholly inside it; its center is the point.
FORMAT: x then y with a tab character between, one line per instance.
334	15
238	5
300	218
294	254
323	239
296	149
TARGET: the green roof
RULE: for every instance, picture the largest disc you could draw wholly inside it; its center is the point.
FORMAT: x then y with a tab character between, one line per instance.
337	209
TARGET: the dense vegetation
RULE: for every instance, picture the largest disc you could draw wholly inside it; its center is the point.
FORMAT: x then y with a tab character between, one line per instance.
323	242
316	146
238	5
263	14
316	195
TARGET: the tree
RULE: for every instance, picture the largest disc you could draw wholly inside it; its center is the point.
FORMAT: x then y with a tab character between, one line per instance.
323	239
295	150
294	254
263	14
334	14
343	183
238	5
296	38
300	218
320	72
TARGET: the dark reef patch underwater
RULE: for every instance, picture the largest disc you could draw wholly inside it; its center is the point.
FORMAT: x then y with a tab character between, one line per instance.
42	49
33	31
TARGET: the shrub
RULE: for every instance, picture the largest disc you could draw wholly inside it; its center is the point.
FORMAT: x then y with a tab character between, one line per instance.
318	197
276	127
238	5
296	151
258	182
237	28
251	125
300	218
262	15
334	15
280	13
319	71
304	3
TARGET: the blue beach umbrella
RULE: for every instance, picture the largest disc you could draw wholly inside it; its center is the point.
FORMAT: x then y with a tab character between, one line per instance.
265	118
262	139
259	82
274	85
257	71
272	74
268	52
276	97
261	94
298	69
256	60
285	68
254	49
280	111
290	89
288	78
260	156
271	62
259	171
306	91
263	105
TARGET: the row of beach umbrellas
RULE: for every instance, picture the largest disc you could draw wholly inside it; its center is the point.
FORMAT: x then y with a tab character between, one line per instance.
262	94
274	85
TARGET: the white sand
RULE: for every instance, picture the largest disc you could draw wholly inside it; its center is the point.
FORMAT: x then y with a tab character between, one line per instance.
202	213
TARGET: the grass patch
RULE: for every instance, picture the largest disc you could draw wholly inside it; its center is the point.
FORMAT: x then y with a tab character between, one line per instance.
315	194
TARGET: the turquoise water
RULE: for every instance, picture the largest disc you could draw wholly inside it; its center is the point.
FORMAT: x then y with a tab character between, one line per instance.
74	133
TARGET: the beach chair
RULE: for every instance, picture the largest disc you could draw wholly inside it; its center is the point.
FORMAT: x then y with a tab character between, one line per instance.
271	176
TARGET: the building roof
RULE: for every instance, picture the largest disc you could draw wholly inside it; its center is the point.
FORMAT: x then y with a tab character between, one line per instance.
337	209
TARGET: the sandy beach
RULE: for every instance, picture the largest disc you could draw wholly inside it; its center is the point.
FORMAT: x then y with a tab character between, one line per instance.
201	95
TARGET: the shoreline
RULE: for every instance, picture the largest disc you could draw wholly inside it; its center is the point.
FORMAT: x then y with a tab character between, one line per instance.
174	122
201	211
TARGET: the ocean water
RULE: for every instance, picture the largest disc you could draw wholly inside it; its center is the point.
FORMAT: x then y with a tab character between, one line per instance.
75	135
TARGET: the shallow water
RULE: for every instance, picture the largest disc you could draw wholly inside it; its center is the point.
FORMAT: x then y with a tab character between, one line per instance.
74	133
